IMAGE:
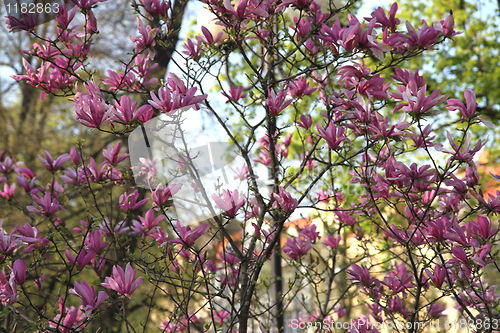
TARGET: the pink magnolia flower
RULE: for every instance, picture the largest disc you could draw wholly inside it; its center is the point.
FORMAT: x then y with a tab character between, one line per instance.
479	257
8	290
19	271
146	40
300	4
162	196
229	258
491	204
447	26
94	243
467	112
406	77
68	320
243	11
305	121
25	172
235	93
188	236
340	311
230	203
75	156
220	316
64	18
208	37
332	242
75	177
459	255
288	140
49	163
148	222
86	4
123	281
456	234
463	152
36	79
436	229
126	112
165	102
253	211
98	174
300	88
399	280
160	236
436	310
333	135
390	22
87	296
285	200
459	187
148	169
91	27
438	276
424	139
264	158
189	98
8	191
425	37
118	81
193	50
46	206
350	36
90	111
360	275
242	174
111	154
418	103
297	247
156	7
29	235
171	327
8	242
310	232
471	175
276	104
82	259
6	165
373	87
143	69
483	227
331	36
302	28
27	22
128	202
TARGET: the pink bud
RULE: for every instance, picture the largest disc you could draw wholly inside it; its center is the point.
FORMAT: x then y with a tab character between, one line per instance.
19	271
75	156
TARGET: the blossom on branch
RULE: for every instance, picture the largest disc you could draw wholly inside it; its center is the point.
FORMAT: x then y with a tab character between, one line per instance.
297	247
187	235
87	296
123	281
230	202
276	104
285	201
333	135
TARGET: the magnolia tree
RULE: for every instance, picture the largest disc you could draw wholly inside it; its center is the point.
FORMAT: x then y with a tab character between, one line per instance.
306	100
